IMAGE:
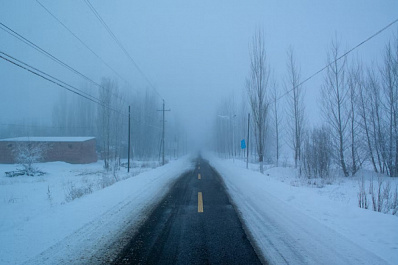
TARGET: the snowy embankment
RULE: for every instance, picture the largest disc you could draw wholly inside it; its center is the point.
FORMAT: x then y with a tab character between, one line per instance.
39	226
293	224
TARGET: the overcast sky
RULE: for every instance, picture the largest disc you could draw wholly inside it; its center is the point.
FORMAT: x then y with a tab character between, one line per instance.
194	52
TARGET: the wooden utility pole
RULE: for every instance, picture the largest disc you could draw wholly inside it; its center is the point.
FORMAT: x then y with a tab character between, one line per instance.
128	153
163	132
248	137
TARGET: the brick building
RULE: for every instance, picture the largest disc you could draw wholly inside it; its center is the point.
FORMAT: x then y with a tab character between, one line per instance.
74	150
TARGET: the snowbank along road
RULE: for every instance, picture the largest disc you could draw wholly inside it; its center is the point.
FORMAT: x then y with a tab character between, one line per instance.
283	233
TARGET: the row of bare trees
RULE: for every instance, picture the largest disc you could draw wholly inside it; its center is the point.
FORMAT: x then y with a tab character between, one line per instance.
359	105
108	122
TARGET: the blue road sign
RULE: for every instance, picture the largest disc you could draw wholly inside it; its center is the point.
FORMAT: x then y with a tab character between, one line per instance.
243	144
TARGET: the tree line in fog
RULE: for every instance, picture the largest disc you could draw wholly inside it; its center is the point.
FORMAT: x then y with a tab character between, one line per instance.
108	123
358	104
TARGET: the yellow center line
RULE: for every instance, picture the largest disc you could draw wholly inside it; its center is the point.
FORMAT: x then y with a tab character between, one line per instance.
199	176
200	203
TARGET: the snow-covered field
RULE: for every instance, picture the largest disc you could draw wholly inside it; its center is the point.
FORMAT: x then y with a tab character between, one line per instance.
43	219
296	223
291	221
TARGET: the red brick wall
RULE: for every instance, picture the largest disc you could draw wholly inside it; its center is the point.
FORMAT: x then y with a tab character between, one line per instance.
70	152
6	155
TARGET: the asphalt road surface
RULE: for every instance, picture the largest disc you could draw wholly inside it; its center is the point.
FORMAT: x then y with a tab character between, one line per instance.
195	224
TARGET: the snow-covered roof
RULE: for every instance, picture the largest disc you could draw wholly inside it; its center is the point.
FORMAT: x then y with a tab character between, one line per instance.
47	139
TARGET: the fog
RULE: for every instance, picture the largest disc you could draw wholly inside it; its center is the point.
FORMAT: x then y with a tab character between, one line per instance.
192	54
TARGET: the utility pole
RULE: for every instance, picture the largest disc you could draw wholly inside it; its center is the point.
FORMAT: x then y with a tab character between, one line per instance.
128	153
248	137
233	137
163	110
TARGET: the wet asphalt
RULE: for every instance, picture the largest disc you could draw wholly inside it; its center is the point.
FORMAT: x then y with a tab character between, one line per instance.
188	228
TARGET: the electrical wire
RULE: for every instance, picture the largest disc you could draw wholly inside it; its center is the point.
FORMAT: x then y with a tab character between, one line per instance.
113	36
340	57
8	58
54	80
52	57
84	44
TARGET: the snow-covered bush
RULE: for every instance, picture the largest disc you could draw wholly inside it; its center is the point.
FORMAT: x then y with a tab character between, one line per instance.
107	180
73	192
49	195
394	204
362	197
383	198
27	155
317	154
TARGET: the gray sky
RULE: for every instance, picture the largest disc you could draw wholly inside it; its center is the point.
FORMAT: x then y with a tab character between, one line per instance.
194	52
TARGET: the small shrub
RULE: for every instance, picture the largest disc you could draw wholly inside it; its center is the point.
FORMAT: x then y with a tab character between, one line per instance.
49	194
10	199
383	198
362	197
73	192
106	180
27	154
394	204
317	154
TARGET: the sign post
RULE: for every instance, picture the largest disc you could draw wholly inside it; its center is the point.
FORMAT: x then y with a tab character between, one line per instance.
243	144
248	137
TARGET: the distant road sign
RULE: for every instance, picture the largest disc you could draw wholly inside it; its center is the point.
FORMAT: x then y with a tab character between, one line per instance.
243	144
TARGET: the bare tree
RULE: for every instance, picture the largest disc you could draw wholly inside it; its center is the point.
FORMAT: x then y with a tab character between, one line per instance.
277	121
104	121
27	154
295	106
317	153
335	97
389	78
118	128
354	84
226	128
257	85
376	121
363	106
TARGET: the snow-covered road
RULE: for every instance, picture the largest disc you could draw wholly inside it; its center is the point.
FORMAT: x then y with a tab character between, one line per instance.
290	226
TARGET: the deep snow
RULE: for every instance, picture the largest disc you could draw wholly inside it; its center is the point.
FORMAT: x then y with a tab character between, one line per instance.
38	228
301	224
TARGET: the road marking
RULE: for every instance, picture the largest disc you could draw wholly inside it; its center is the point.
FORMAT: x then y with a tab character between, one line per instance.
200	203
199	176
198	167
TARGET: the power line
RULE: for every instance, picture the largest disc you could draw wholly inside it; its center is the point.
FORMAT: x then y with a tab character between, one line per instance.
41	72
84	44
63	84
52	57
120	45
54	80
47	77
345	54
